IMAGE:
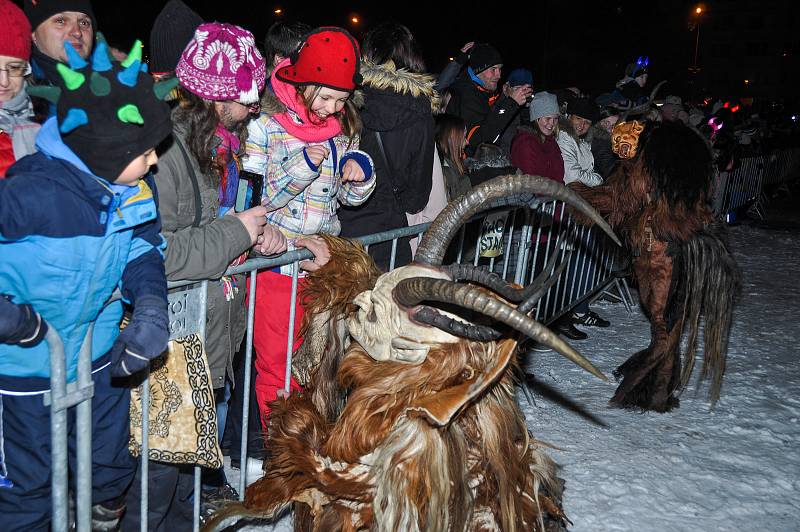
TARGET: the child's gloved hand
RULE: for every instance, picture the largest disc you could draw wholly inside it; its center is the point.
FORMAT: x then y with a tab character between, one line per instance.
144	338
20	324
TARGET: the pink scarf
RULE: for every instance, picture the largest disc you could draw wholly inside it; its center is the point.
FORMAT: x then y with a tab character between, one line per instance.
309	130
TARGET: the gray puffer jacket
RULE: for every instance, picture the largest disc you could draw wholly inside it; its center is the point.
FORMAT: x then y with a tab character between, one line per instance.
202	248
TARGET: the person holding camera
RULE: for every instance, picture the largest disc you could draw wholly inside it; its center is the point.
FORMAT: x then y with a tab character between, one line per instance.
475	99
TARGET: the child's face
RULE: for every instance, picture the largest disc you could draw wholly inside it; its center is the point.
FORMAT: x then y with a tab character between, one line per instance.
137	168
327	102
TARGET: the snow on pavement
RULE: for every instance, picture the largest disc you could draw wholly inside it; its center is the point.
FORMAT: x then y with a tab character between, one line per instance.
732	468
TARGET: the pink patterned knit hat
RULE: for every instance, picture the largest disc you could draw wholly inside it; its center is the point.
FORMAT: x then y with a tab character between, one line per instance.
221	62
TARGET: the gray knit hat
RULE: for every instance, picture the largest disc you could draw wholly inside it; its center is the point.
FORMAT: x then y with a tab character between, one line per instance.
543	104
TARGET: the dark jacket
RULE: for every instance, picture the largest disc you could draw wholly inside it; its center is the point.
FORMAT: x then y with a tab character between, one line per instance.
604	158
398	105
455	182
485	114
534	157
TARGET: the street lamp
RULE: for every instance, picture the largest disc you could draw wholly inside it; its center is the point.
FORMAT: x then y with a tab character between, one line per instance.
698	11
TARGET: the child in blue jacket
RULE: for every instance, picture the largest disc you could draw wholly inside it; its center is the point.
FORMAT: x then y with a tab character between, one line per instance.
79	220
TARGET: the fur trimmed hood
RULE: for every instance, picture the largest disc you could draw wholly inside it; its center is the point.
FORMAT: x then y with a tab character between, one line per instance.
392	100
270	104
387	77
384	78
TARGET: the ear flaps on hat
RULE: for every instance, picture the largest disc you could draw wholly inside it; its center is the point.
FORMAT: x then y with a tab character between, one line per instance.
245	82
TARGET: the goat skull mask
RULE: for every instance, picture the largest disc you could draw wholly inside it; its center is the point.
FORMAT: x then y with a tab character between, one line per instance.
383	327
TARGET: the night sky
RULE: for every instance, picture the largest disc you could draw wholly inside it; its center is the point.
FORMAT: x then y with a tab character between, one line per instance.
581	43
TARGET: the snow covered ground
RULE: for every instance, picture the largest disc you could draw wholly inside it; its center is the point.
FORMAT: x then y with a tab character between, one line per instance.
732	468
736	467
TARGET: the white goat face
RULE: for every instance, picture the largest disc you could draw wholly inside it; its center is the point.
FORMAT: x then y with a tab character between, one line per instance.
384	329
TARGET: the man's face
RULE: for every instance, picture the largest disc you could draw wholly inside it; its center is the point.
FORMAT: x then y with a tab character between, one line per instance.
490	77
70	26
231	113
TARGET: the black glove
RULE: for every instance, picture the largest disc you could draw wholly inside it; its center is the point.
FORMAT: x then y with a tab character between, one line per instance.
20	324
144	338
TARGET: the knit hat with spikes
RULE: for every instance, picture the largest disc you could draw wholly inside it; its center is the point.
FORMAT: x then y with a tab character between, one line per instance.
108	113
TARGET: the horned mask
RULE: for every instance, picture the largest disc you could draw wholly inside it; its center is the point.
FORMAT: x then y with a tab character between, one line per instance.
385	330
393	323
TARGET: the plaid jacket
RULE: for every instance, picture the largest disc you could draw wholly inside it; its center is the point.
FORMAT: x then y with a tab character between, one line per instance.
303	200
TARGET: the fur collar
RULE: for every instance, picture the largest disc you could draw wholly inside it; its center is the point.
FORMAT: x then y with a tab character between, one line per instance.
386	77
270	104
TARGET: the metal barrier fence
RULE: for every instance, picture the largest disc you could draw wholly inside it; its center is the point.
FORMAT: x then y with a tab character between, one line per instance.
517	244
745	185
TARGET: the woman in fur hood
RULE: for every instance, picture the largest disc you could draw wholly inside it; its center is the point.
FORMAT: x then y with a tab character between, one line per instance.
396	108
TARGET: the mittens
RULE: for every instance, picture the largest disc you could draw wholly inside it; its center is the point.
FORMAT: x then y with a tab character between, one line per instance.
144	338
20	324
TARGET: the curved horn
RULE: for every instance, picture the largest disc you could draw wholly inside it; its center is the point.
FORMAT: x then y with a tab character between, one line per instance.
509	190
492	281
639	109
479	333
544	281
527	294
413	291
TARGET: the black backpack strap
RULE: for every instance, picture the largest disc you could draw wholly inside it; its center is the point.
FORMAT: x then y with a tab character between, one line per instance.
389	172
198	206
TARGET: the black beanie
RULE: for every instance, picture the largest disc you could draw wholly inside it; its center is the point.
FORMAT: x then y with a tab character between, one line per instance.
483	56
107	112
38	11
172	30
584	108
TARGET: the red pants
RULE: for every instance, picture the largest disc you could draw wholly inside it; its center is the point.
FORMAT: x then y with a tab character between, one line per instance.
270	336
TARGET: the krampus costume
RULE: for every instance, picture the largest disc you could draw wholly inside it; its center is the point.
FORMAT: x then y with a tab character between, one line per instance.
407	419
658	198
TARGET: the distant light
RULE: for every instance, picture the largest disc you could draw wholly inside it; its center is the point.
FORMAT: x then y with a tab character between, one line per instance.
354	20
278	11
698	10
452	59
747	82
794	118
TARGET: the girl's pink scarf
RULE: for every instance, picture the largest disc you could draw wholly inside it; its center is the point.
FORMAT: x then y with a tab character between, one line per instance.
309	130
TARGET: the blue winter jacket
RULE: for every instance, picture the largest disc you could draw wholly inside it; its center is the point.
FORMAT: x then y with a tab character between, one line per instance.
68	239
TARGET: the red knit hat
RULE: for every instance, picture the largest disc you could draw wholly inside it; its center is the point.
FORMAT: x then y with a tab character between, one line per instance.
15	33
329	57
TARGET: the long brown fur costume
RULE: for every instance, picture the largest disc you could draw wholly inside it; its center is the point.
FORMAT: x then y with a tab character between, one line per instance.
659	202
438	446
